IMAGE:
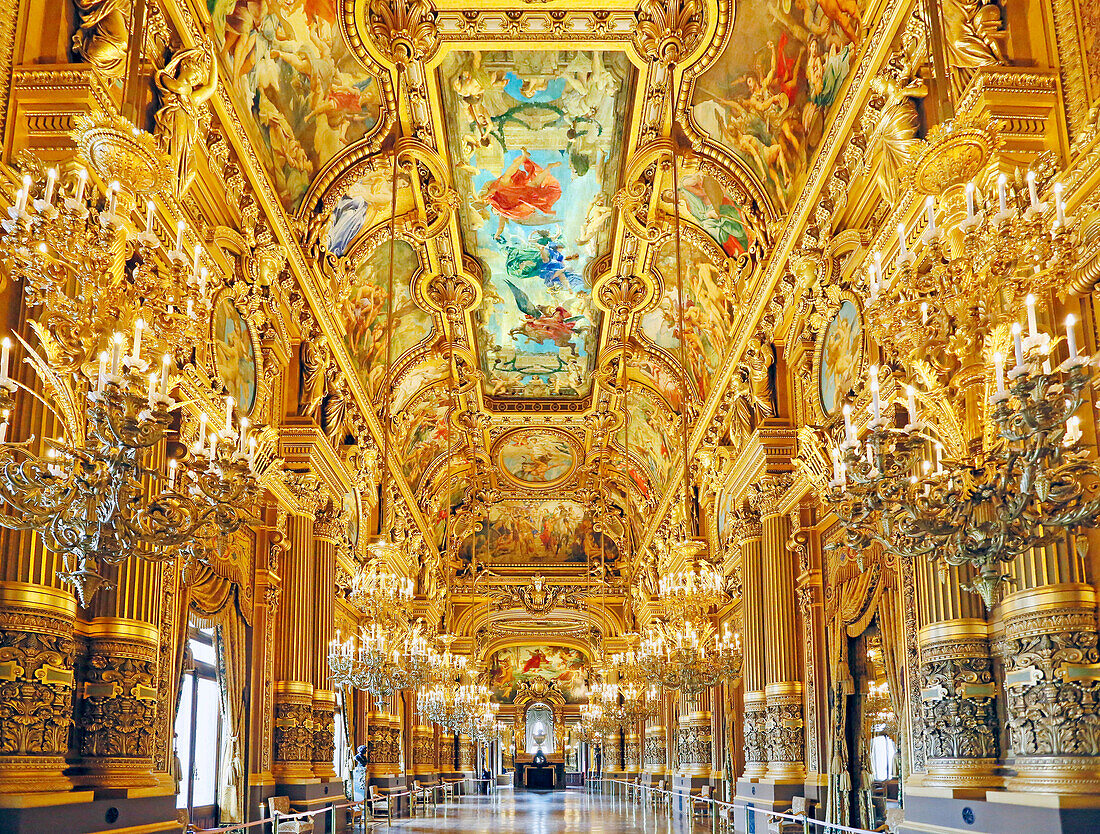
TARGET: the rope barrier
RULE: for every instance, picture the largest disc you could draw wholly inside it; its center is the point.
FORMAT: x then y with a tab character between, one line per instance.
802	819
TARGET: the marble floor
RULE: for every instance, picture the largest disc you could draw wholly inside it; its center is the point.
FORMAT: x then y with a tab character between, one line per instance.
557	812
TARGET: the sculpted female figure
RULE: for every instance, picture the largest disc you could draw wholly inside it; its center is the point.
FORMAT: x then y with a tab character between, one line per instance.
185	84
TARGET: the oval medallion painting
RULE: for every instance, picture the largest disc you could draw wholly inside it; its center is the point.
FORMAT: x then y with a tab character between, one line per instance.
841	354
234	355
536	458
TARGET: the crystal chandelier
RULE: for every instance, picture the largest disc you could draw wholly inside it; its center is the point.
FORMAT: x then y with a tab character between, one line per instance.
691	593
390	651
88	493
483	725
1018	475
688	656
597	718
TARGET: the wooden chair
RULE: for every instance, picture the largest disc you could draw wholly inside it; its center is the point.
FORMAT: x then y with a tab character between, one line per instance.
379	805
700	803
280	805
659	798
422	794
448	789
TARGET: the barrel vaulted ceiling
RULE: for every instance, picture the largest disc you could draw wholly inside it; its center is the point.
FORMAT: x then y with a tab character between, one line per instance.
534	233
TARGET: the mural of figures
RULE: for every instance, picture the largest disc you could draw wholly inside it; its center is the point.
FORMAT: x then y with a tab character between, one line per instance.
541	532
708	316
652	438
366	203
655	373
510	668
234	354
364	307
768	107
289	64
536	457
705	203
538	136
422	434
841	353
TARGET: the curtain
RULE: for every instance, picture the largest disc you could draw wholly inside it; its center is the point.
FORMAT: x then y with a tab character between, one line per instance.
890	622
347	727
214	604
853	608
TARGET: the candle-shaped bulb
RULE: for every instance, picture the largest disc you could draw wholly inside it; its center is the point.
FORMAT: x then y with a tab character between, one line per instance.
228	415
179	236
1071	336
924	313
1018	344
135	353
149	217
1002	196
165	367
902	248
1032	190
198	258
999	364
911	403
81	183
930	208
51	183
1059	204
112	198
970	201
5	358
1032	327
116	353
244	434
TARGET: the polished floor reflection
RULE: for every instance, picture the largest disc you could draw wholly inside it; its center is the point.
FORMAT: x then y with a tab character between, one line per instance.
558	812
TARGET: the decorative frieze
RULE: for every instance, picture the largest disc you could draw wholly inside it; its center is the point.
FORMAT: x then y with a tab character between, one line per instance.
755	744
784	735
324	732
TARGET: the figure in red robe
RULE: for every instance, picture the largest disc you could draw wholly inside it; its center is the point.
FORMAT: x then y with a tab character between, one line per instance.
534	663
524	192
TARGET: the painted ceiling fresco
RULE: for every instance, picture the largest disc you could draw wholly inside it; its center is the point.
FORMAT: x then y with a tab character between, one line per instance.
767	96
707	312
536	141
510	668
555	531
545	169
290	67
365	304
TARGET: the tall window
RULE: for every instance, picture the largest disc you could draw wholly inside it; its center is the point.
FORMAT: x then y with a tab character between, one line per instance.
340	748
199	730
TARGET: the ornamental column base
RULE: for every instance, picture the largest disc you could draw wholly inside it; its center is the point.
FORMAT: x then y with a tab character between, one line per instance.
612	754
755	747
383	751
293	733
466	754
1050	660
653	751
118	708
423	750
324	734
36	685
693	744
958	711
783	732
632	753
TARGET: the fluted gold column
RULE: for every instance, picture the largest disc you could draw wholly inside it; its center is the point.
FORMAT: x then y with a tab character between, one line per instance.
1051	656
295	658
747	528
613	753
784	736
466	754
956	682
326	531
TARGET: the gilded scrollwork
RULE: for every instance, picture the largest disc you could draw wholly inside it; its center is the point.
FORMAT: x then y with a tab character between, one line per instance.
958	713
